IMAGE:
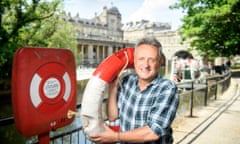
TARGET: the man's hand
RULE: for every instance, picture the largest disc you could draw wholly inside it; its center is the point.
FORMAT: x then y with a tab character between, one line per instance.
108	136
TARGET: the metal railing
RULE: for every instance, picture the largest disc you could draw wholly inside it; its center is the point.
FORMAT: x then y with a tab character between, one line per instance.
195	94
192	94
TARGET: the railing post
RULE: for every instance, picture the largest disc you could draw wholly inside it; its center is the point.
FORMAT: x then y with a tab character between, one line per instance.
223	85
206	93
216	89
191	101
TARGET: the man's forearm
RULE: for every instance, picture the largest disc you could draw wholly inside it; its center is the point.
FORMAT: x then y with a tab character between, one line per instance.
142	134
112	108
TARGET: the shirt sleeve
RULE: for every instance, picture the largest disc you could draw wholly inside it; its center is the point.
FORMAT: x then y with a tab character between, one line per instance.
164	108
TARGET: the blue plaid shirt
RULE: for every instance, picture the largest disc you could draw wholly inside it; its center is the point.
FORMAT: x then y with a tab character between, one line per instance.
156	106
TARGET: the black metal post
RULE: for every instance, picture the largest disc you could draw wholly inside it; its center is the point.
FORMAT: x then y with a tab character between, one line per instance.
191	102
206	93
216	88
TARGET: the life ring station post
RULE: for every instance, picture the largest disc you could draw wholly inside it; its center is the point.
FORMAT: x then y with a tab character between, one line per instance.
43	90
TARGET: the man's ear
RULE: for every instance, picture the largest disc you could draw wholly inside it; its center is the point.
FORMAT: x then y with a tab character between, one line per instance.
161	61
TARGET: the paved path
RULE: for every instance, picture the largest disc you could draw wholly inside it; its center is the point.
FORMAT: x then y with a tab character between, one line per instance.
217	123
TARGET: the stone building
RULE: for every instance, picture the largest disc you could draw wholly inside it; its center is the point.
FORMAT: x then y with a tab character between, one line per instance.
138	29
171	43
104	34
100	36
170	39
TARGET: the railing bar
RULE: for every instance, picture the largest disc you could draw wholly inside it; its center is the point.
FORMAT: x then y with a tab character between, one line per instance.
78	137
66	133
85	138
6	121
62	139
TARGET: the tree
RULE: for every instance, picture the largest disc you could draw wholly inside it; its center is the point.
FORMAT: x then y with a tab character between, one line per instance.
212	26
31	23
65	37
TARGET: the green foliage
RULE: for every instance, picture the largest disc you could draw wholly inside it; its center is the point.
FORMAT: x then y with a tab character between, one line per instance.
65	37
213	26
32	23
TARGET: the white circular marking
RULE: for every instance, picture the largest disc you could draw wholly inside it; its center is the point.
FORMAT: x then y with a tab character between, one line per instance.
34	90
67	81
51	88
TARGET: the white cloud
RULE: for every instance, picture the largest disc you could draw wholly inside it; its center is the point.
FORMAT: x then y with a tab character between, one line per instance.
131	10
156	10
151	10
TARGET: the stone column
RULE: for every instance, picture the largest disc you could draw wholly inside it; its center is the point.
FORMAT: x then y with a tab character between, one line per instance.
90	53
110	50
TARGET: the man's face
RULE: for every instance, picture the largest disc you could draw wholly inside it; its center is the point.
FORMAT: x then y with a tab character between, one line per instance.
147	62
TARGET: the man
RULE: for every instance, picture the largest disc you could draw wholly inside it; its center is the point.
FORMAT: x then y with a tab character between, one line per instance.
145	102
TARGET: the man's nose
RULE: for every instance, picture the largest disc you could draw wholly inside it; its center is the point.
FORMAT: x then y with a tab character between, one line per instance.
146	62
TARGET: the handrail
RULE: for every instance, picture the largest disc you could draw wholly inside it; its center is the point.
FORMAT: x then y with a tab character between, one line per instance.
6	121
10	120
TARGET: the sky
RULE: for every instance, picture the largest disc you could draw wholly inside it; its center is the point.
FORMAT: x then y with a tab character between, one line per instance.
131	10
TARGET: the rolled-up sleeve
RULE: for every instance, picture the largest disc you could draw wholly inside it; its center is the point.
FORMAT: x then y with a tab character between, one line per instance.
163	111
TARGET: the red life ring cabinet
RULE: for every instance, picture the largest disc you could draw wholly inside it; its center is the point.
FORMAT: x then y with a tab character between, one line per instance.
43	89
108	70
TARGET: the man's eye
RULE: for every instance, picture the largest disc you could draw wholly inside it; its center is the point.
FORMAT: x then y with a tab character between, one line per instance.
152	60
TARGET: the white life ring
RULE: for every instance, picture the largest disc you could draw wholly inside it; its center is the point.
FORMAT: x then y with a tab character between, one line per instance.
108	70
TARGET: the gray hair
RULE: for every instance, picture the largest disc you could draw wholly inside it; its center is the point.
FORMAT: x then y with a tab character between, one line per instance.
150	41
